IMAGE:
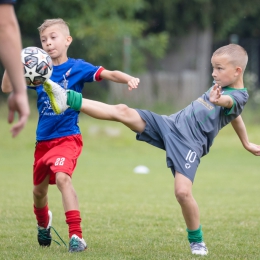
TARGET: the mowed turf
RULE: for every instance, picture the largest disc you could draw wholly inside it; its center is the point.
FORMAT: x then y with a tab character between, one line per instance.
127	215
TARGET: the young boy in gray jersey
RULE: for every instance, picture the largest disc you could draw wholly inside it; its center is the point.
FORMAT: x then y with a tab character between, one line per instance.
187	135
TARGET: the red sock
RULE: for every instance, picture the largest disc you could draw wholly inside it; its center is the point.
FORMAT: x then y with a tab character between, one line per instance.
42	216
73	220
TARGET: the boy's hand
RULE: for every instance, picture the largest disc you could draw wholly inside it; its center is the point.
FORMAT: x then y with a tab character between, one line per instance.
215	93
18	103
133	83
253	148
216	97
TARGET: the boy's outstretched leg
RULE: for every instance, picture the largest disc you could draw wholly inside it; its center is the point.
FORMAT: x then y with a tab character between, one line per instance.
190	211
119	113
62	99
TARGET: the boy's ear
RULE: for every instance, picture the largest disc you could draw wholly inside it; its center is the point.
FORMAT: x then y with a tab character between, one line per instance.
238	71
68	41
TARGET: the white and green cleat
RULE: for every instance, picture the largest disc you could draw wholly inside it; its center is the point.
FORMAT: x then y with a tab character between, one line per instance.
57	95
77	244
198	248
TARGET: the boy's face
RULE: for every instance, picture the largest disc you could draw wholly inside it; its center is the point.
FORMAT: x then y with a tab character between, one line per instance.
55	41
225	73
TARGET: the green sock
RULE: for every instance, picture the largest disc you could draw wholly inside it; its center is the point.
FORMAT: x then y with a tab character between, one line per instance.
74	100
195	235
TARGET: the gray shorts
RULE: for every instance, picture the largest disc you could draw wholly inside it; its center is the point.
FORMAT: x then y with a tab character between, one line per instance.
179	156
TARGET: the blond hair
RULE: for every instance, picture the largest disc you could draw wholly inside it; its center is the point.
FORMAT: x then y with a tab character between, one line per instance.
238	55
49	22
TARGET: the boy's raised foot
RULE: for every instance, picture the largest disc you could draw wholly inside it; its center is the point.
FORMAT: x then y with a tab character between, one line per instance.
57	95
44	234
198	248
77	244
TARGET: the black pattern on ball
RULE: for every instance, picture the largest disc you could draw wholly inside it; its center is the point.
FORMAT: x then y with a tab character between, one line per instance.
37	66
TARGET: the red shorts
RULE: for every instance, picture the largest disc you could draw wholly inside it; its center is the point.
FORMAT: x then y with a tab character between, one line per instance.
56	155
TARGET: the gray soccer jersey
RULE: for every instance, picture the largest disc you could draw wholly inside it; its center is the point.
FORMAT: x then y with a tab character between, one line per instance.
188	134
199	123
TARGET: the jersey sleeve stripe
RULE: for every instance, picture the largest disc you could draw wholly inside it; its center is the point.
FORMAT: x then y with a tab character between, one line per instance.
97	74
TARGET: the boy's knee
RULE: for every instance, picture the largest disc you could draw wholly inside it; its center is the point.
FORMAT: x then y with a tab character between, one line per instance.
121	110
39	192
62	179
182	194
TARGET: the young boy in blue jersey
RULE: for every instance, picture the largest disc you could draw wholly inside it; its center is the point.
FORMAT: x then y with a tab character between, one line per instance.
187	135
59	141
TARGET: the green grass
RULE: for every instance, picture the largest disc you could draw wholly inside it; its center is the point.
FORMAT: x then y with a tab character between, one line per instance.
127	215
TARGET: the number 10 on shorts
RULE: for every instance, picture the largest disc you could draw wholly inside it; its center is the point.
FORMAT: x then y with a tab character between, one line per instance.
191	156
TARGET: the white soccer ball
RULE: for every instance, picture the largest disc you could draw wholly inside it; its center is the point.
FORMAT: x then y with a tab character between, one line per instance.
37	66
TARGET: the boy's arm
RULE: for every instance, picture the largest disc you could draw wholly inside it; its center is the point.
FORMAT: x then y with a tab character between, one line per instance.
120	77
240	128
217	98
10	53
6	84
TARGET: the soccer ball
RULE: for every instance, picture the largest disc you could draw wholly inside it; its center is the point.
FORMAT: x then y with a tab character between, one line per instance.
37	66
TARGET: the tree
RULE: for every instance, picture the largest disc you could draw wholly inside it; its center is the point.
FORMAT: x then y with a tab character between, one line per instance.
131	35
178	16
99	29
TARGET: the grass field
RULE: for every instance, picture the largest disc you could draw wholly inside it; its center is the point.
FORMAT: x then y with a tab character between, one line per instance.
133	216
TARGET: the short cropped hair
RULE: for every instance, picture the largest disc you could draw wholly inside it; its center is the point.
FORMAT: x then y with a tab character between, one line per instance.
236	52
49	22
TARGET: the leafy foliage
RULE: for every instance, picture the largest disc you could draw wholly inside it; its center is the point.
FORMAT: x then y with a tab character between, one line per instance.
230	16
178	16
100	27
175	16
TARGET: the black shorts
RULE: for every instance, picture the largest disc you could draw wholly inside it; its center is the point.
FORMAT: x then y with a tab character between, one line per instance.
179	156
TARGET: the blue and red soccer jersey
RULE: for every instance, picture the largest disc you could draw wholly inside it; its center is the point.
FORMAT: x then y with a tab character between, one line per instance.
70	75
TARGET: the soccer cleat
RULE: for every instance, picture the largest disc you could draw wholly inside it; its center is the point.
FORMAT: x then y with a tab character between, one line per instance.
57	95
44	234
198	248
77	244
